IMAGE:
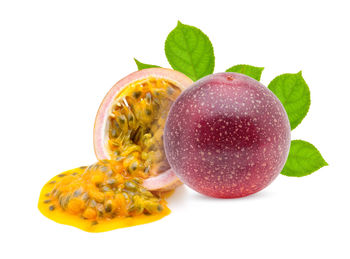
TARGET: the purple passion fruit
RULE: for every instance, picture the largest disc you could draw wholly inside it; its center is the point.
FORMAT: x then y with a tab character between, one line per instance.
227	136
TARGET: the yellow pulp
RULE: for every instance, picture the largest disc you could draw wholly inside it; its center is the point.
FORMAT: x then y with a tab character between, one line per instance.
136	123
109	194
74	216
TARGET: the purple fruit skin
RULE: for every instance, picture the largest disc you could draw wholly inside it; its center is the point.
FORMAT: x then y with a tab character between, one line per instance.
227	136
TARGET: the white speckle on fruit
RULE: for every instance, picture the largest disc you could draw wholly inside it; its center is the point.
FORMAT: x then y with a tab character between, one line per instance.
235	130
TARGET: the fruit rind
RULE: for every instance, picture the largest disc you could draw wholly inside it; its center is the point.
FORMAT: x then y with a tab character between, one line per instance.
227	136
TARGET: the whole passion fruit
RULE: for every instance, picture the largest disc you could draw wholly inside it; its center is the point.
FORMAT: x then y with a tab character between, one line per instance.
227	136
130	122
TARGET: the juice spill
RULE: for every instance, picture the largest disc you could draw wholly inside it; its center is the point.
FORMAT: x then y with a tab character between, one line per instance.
99	198
109	194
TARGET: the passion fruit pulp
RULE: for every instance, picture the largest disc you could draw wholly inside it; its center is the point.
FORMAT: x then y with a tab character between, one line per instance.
128	140
130	121
98	198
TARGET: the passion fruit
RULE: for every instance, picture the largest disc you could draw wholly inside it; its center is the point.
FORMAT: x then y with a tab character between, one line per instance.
130	122
227	136
126	186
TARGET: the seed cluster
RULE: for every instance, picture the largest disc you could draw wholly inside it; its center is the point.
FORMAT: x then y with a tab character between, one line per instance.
103	190
136	122
113	188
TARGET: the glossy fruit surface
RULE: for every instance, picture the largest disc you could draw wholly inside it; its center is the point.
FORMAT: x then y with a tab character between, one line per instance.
227	136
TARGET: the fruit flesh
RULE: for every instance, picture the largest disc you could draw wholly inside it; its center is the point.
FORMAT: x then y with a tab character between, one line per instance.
110	193
99	198
227	136
136	123
157	173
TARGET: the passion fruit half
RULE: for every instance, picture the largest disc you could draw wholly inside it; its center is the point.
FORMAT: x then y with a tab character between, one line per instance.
130	122
127	185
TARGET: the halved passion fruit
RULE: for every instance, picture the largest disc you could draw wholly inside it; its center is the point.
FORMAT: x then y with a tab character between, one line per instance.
130	122
127	185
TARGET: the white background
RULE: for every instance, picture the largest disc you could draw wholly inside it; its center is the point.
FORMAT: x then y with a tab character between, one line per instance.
59	58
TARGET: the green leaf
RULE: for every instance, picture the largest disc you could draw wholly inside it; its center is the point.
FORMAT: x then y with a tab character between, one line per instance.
190	51
294	94
303	159
254	72
141	66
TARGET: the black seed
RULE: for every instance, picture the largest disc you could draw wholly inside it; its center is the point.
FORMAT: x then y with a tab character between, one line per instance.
129	193
83	167
105	189
100	209
159	207
132	208
93	223
108	207
122	119
85	196
47	194
146	212
148	97
136	94
111	181
52	207
77	192
52	182
47	201
148	112
136	180
130	185
61	175
133	166
75	173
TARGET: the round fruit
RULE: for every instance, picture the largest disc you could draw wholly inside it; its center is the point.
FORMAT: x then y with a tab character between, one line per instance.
130	122
227	136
